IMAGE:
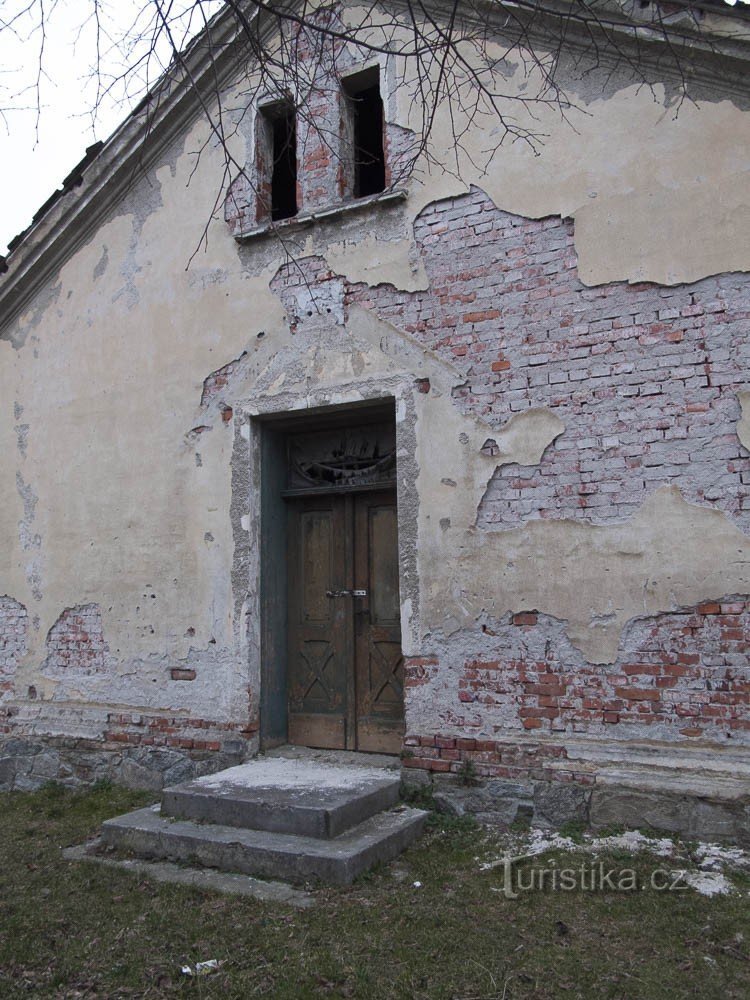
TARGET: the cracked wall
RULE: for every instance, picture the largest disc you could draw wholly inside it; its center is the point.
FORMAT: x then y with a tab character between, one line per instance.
102	392
13	643
573	460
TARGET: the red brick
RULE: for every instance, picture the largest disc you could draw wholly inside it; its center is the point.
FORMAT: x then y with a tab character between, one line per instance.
637	694
735	608
418	762
710	608
440	765
182	674
480	317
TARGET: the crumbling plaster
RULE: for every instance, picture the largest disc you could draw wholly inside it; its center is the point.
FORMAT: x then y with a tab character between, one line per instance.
143	512
109	378
595	580
633	201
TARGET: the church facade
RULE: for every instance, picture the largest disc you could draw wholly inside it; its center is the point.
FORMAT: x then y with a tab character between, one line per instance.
362	454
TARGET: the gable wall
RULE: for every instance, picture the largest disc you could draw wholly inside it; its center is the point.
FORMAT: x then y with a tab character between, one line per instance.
573	489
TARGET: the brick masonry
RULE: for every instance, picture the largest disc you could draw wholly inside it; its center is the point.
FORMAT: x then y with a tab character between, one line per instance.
324	174
76	642
645	378
684	675
14	626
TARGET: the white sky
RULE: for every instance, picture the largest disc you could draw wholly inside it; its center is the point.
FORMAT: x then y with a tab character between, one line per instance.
37	152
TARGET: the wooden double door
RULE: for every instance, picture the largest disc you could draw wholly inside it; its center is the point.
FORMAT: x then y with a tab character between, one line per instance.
345	665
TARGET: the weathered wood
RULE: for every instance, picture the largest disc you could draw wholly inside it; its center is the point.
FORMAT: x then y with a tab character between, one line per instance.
345	659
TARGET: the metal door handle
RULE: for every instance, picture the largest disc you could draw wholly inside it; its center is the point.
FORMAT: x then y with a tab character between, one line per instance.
346	593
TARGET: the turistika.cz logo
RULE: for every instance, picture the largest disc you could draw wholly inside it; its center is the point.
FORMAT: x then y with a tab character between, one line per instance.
588	877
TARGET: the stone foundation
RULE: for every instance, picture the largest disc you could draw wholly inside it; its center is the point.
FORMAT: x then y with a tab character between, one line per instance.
687	793
29	763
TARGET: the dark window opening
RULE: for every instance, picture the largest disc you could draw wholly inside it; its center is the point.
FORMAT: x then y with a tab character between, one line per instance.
366	133
284	170
276	162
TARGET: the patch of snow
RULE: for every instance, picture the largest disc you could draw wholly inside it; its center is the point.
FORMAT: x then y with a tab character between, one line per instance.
713	857
708	883
541	841
710	859
635	841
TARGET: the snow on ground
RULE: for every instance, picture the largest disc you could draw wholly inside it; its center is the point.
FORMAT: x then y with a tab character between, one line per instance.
705	867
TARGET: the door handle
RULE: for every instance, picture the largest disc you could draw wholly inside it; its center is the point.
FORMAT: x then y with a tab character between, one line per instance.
346	593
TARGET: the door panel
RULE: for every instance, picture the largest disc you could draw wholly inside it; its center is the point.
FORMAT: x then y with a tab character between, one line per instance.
345	661
319	631
379	660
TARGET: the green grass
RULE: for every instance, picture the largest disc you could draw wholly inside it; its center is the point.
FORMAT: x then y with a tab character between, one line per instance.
81	930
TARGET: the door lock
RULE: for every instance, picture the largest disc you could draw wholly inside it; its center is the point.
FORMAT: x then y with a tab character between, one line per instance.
346	593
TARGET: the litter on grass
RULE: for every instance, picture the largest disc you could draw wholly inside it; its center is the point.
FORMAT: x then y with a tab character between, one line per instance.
201	968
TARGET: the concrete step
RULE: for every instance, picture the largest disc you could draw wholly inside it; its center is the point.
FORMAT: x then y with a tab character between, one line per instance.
337	860
305	798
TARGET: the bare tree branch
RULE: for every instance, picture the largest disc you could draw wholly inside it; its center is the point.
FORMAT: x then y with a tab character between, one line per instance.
448	57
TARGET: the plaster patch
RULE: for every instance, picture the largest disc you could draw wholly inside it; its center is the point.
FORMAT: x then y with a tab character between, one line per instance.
375	261
632	202
526	436
670	554
743	424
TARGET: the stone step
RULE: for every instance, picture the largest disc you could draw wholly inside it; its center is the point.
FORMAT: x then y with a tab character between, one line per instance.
336	861
304	798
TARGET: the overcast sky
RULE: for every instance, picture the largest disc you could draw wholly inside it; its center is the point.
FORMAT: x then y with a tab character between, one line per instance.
38	151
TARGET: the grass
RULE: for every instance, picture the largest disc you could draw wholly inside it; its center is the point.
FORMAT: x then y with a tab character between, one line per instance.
80	930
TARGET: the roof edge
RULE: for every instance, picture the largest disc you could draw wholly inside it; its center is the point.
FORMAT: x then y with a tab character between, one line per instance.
108	170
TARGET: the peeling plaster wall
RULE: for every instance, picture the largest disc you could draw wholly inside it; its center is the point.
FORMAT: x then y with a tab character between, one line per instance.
112	499
572	461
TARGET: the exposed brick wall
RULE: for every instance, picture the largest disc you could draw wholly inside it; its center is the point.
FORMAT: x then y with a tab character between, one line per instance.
322	155
138	729
76	642
492	758
683	675
214	383
14	626
645	377
646	380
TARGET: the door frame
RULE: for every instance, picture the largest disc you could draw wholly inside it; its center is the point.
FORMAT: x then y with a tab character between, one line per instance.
266	523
